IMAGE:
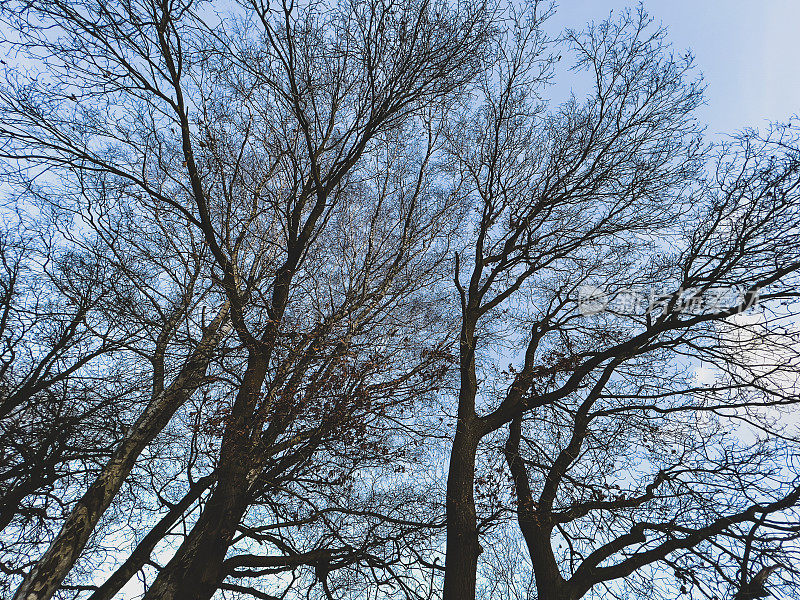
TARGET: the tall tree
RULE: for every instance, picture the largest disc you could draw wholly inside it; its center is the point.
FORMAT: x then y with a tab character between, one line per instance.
56	421
258	256
261	147
604	266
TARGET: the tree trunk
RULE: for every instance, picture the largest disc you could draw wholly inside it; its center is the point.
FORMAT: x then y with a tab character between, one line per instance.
550	584
196	569
535	526
54	565
461	562
462	529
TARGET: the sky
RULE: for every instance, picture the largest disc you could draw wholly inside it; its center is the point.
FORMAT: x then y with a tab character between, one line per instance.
747	50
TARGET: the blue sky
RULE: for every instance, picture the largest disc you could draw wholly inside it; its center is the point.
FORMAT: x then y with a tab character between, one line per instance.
747	50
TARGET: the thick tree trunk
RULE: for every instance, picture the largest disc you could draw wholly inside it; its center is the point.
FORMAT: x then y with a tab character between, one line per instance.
196	569
546	592
462	529
550	584
45	578
461	562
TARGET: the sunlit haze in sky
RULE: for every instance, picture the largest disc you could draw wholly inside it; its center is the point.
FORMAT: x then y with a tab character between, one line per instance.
747	50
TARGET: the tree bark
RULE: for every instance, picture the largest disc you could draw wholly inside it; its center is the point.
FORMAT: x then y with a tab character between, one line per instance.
461	562
196	569
462	529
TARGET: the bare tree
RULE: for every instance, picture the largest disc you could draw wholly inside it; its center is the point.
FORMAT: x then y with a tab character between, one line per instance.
613	477
258	150
132	312
278	235
345	104
56	422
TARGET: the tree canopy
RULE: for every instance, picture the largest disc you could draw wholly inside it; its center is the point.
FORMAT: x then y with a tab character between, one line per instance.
332	300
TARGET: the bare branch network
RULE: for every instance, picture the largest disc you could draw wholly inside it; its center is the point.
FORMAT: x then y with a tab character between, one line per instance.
330	300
